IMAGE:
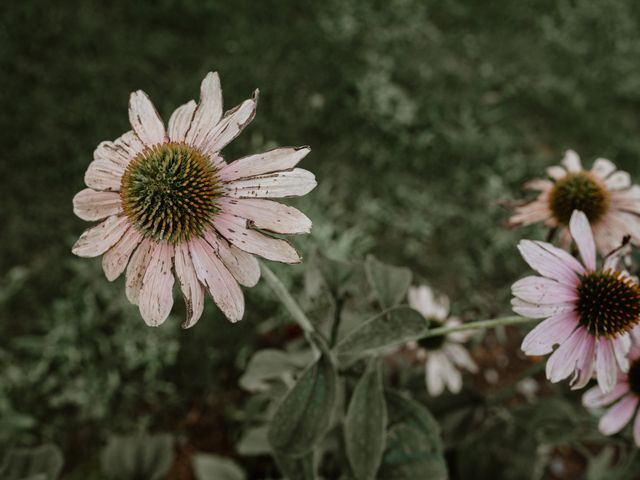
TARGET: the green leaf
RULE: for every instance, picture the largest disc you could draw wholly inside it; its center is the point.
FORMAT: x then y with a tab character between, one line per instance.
254	442
270	364
394	326
297	468
366	423
44	462
215	467
389	283
414	447
303	416
137	456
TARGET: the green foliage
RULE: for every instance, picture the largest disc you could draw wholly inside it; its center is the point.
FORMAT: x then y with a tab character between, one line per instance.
389	283
137	457
214	467
41	463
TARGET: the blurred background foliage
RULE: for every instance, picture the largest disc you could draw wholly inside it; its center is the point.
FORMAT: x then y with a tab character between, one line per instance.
424	119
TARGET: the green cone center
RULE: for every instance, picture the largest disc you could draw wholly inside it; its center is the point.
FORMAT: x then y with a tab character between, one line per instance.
578	191
608	303
169	192
433	343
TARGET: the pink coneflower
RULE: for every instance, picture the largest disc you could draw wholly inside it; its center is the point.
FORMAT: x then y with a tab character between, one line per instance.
605	195
625	394
170	204
443	355
589	311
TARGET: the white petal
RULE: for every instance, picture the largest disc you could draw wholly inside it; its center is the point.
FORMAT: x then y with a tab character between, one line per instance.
102	237
104	175
156	294
582	235
180	121
618	181
602	168
89	204
116	258
192	289
292	183
121	151
208	113
145	119
434	375
272	161
460	357
267	215
556	172
571	161
243	266
137	268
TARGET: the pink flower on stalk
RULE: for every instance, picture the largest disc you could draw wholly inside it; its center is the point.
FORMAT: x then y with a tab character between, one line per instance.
589	311
605	195
443	355
625	394
169	204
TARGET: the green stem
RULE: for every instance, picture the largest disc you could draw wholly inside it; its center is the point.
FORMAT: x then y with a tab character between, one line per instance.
283	294
492	323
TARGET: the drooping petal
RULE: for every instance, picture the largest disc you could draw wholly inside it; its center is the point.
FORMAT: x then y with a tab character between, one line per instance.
235	230
551	261
534	310
192	289
137	268
434	374
628	200
618	181
116	258
552	331
145	119
422	299
582	235
571	161
292	183
562	362
602	168
156	294
541	290
89	204
180	121
451	375
596	398
618	416
102	237
533	212
460	357
208	112
216	278
243	266
585	364
621	346
276	160
606	368
267	215
104	175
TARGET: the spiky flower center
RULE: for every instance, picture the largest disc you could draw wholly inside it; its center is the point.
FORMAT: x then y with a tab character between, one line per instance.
633	377
169	192
578	191
608	303
433	343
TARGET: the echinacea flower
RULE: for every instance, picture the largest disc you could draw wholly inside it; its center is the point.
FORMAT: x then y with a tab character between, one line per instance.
169	203
588	311
443	355
603	193
625	398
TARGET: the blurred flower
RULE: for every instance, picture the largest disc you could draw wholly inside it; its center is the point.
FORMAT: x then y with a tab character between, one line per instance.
625	394
167	199
589	311
605	195
443	355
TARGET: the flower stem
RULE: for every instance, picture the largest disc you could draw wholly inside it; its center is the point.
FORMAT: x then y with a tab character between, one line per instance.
491	323
288	301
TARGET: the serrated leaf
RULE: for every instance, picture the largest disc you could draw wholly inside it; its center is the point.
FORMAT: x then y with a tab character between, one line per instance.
365	424
43	462
414	447
303	416
392	327
215	467
137	456
389	283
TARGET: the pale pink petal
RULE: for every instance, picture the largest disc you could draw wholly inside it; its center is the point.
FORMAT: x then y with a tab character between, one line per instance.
156	294
208	113
582	235
192	289
137	268
89	204
121	151
104	175
243	266
596	398
235	230
460	357
277	160
116	258
618	181
539	184
571	161
618	416
533	212
562	362
533	310
606	367
180	121
102	237
233	122
551	261
621	346
548	333
628	200
585	364
291	183
216	278
542	290
145	119
267	215
602	168
636	430
556	172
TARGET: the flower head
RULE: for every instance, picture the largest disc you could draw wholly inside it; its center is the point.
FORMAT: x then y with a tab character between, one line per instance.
625	397
443	355
604	194
169	204
589	311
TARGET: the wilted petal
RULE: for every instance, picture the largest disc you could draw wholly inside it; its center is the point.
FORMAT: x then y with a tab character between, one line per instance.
277	160
116	258
180	121
273	185
192	289
145	119
102	237
156	294
88	204
267	215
